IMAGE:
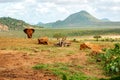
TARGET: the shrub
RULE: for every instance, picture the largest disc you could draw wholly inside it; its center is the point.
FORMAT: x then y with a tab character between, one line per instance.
58	35
111	59
75	40
40	66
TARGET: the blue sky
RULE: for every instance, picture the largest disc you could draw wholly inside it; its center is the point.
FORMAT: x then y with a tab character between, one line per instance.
34	11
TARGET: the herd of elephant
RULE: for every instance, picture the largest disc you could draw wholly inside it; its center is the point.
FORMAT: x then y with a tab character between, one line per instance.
44	40
62	42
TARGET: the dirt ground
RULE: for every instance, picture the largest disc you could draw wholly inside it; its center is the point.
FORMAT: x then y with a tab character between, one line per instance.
16	65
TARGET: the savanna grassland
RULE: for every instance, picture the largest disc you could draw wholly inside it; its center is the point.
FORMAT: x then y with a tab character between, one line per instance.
25	59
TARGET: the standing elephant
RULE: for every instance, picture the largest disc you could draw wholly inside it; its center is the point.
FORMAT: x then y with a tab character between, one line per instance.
29	32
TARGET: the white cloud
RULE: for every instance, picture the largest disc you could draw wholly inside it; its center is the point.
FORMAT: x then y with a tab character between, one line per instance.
115	1
62	10
64	1
4	1
115	8
11	9
50	7
33	11
28	2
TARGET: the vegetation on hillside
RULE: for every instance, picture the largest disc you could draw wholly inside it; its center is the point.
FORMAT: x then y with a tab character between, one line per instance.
14	24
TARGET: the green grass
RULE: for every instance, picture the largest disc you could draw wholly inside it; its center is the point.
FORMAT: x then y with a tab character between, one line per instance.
68	32
16	40
65	71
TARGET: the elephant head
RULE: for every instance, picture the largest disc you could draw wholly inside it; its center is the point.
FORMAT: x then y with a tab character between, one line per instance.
29	32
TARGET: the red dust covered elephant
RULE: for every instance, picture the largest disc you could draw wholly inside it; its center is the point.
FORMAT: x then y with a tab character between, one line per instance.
29	32
43	40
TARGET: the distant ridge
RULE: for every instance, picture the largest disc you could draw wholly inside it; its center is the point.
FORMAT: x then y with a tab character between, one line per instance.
40	23
81	19
13	24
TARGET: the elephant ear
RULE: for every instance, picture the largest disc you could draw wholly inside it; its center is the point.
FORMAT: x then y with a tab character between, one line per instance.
25	30
33	30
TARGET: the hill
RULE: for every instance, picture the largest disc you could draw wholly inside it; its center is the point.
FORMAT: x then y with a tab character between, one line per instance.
13	24
81	19
40	23
3	27
105	19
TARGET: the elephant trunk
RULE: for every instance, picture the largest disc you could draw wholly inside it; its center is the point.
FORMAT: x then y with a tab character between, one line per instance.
29	35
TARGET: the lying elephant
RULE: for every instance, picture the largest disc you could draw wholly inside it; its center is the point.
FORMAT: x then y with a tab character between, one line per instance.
29	32
43	40
63	42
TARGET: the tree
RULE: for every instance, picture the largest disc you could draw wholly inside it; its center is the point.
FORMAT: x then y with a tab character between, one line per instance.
97	37
58	36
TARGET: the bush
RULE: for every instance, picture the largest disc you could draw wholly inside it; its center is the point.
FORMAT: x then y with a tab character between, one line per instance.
40	66
75	40
58	35
111	59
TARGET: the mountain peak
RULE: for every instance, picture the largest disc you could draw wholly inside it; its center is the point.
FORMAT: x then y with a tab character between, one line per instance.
83	12
105	19
82	17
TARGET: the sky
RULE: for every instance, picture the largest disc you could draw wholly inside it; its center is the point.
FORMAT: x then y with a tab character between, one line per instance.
45	11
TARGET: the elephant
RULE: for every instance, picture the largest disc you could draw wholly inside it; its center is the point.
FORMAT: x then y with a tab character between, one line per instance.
63	42
29	32
43	40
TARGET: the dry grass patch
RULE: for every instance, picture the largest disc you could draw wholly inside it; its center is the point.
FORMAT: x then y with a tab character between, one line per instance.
17	53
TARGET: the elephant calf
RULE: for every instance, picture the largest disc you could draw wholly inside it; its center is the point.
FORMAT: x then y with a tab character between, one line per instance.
84	46
43	40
